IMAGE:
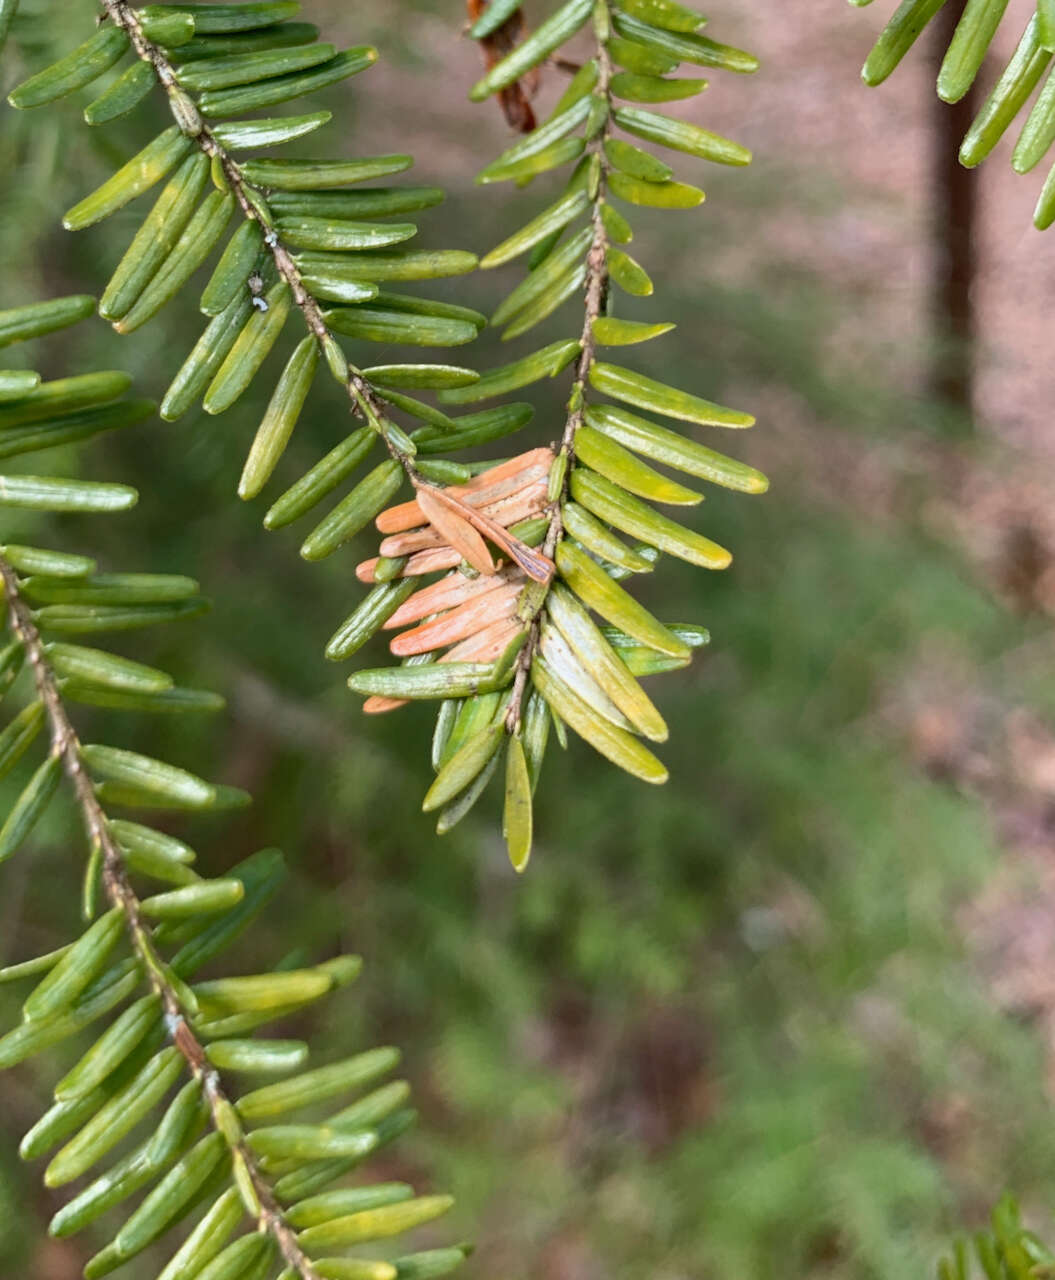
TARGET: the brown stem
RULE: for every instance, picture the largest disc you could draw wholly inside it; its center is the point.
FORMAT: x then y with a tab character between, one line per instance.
65	746
954	212
596	297
252	201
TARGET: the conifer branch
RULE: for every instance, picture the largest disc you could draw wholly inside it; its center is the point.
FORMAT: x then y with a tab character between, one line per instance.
66	747
259	1169
568	668
253	203
513	651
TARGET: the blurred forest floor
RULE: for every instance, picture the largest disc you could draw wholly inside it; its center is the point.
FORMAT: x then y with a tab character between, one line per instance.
791	1017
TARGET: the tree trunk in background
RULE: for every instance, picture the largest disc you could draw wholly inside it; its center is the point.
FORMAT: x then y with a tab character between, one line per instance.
954	205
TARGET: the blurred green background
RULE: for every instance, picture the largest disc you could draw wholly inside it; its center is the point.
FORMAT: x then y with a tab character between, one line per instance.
772	1020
